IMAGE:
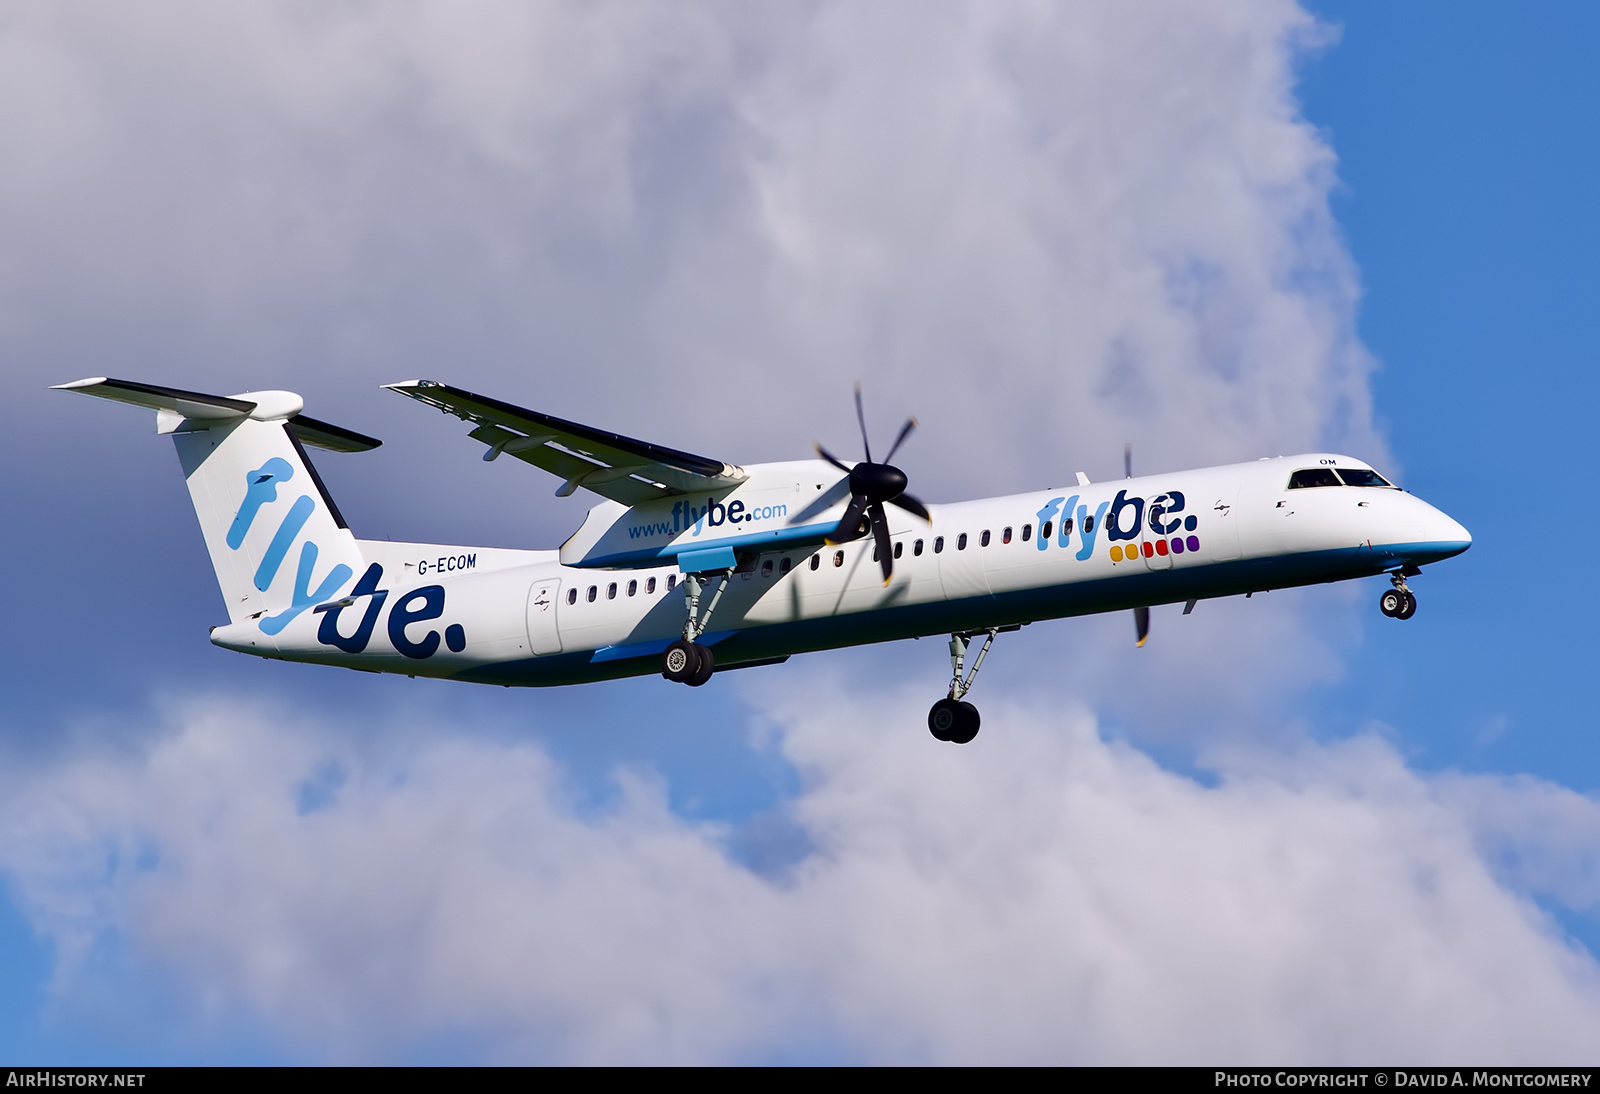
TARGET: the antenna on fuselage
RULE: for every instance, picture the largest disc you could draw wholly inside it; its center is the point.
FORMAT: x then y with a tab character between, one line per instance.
1127	460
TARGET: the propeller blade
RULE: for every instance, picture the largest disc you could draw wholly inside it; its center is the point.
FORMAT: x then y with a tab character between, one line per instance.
825	454
1127	460
905	431
880	534
1141	622
912	505
849	526
861	418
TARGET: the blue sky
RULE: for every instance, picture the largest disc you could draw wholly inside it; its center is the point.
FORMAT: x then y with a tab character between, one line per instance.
1287	829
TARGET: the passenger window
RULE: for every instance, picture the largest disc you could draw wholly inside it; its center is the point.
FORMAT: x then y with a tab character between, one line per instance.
938	544
572	595
1356	477
1027	532
1066	525
633	587
816	560
650	586
1088	525
961	542
611	591
672	581
1005	537
916	548
1313	476
766	568
1044	529
593	590
783	566
983	540
899	549
838	558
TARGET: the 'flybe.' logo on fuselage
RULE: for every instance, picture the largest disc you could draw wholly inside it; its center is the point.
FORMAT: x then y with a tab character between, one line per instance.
686	516
1122	518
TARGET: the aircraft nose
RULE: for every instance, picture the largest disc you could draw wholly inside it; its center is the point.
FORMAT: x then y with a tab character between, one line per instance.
1445	536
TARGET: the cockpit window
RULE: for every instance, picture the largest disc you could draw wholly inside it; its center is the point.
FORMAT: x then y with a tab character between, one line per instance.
1354	477
1313	476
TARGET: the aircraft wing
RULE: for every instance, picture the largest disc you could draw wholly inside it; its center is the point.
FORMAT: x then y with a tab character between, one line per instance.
613	466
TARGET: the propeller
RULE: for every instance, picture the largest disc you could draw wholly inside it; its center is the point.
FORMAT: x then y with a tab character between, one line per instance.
872	485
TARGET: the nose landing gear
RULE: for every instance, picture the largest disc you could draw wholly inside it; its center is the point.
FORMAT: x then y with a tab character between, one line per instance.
1399	602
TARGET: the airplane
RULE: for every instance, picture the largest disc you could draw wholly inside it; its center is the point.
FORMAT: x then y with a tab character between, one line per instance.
689	565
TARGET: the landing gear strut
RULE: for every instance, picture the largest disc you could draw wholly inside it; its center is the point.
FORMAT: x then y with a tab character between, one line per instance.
1399	602
951	719
685	660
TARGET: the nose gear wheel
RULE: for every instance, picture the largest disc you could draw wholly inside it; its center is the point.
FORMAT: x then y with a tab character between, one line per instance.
1399	602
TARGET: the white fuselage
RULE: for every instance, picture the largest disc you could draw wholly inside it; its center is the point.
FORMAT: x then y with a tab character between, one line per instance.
525	618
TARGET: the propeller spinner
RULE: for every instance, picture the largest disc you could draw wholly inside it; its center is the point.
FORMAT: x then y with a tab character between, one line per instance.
871	486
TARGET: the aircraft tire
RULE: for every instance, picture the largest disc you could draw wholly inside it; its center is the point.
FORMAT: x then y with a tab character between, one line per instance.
954	722
680	661
1408	609
967	723
1391	602
705	665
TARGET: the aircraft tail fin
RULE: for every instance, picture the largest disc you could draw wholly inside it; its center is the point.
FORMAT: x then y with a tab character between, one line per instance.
277	541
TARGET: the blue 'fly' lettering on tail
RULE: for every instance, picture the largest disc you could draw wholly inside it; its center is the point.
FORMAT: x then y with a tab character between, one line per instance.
261	486
296	520
303	597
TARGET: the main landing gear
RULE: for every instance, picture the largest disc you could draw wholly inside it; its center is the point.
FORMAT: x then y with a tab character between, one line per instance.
685	660
1399	602
951	719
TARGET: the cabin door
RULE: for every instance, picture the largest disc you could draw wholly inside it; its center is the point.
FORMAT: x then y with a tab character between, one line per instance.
543	635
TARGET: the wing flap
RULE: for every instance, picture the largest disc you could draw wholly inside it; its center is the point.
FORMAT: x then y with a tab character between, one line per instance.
611	465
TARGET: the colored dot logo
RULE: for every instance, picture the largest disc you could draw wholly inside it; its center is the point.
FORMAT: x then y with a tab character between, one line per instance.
1177	546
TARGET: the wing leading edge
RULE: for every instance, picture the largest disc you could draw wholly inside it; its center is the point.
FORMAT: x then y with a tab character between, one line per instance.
611	465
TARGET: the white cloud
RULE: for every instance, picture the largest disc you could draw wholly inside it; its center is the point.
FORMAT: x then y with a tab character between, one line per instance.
1040	895
1045	230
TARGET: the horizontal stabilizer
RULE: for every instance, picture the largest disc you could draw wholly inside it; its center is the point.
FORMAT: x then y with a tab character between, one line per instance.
334	438
190	404
178	410
613	466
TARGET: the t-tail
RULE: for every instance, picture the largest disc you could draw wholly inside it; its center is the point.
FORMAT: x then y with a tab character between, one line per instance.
277	541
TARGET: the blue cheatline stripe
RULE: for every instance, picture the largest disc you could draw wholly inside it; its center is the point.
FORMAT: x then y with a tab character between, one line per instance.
645	649
296	520
774	540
